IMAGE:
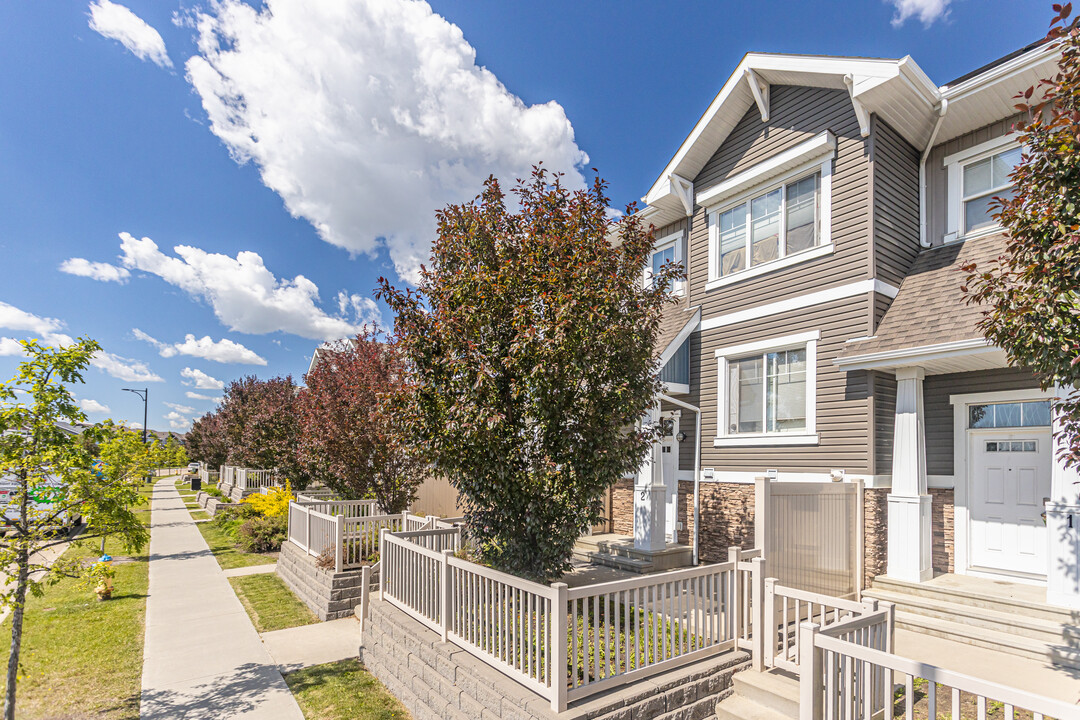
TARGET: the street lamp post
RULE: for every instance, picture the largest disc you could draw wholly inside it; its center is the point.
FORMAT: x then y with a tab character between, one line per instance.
144	394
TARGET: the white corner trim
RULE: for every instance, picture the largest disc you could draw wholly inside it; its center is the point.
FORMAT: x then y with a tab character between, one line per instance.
776	343
758	270
840	292
810	151
755	440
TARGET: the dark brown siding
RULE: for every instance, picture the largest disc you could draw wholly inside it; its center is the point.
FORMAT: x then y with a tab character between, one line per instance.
842	406
884	421
939	412
937	180
796	114
896	204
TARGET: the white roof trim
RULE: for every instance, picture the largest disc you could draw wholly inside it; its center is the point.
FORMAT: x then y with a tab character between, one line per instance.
1000	72
916	355
673	346
813	149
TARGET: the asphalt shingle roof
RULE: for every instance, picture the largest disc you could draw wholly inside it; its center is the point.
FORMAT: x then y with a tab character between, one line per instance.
930	307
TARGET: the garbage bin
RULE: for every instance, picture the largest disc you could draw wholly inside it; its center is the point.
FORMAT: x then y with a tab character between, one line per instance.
196	482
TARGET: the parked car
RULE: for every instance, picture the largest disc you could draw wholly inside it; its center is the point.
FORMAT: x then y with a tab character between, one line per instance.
193	468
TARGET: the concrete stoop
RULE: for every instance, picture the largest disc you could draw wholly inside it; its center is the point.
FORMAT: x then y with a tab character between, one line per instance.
439	680
772	695
1022	629
618	551
211	503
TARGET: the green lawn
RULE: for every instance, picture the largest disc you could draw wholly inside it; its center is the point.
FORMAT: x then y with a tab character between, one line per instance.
271	605
343	690
199	514
228	555
81	657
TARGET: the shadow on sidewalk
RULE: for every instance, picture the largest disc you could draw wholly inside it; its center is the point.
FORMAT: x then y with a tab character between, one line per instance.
219	697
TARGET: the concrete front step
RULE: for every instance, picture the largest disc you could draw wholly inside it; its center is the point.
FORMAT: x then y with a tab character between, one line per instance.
737	707
974	596
770	695
1004	642
616	561
1036	628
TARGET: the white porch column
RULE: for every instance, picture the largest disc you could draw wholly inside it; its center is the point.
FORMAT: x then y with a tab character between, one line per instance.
650	499
909	503
1063	530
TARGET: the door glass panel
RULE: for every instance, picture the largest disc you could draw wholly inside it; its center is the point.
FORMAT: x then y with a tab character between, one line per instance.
1029	446
1036	414
1006	415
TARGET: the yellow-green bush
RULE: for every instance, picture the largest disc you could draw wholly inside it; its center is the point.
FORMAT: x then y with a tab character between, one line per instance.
274	503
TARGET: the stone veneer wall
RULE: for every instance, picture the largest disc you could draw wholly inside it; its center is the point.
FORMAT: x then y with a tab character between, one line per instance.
727	515
876	526
437	680
330	595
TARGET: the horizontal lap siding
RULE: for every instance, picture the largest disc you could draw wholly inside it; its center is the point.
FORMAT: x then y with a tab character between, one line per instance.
796	115
884	421
842	408
937	179
896	204
939	411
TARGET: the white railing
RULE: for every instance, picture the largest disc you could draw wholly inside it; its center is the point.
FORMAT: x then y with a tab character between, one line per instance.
745	594
165	472
786	607
247	478
563	643
842	677
209	477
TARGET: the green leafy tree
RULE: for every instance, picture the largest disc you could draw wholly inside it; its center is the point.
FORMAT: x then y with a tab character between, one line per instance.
262	429
529	360
206	440
1033	290
50	478
174	455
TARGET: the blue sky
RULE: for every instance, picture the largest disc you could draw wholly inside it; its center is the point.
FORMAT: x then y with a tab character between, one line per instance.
296	156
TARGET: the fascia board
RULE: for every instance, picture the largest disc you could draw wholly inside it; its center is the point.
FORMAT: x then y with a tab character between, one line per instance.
890	358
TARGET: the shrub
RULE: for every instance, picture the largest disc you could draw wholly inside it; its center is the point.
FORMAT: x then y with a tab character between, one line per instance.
274	503
262	534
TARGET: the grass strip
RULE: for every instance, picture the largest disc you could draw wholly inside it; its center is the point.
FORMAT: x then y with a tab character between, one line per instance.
270	604
199	515
80	657
343	690
228	555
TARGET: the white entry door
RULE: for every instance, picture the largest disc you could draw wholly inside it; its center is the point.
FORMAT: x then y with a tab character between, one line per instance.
669	464
1010	479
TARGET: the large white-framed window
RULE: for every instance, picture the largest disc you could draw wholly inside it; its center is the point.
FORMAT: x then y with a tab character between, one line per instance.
976	176
666	249
774	215
767	392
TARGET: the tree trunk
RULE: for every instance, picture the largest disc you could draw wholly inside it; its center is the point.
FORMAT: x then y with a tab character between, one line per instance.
23	563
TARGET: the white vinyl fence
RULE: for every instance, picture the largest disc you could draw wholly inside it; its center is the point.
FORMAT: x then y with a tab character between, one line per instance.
844	675
209	477
811	534
563	643
247	478
165	472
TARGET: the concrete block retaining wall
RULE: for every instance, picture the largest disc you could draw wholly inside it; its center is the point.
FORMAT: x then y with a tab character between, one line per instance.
211	503
437	680
330	595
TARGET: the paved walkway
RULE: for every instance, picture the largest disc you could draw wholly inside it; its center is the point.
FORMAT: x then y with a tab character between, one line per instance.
203	658
307	645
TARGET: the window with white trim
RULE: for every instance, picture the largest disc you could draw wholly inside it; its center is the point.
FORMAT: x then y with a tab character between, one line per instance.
976	176
767	391
782	221
983	181
667	250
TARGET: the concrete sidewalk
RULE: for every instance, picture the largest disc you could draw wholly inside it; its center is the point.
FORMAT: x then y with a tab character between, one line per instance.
203	658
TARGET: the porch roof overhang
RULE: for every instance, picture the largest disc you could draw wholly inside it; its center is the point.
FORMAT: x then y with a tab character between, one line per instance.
670	342
940	359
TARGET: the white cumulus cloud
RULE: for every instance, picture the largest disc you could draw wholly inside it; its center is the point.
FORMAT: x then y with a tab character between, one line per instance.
222	351
201	380
119	23
244	294
177	421
95	270
93	406
185	409
927	11
47	330
199	396
367	116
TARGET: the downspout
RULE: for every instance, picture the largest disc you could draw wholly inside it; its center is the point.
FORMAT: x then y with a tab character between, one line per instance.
942	109
697	466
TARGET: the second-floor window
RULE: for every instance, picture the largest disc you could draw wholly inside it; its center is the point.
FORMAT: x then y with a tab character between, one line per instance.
774	224
983	181
667	249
